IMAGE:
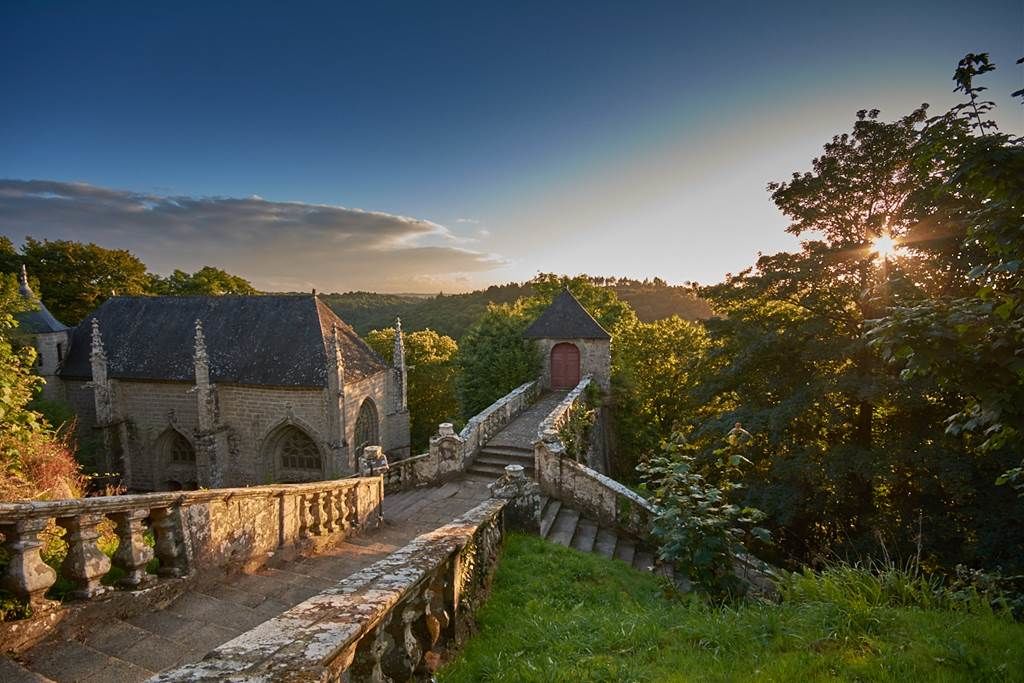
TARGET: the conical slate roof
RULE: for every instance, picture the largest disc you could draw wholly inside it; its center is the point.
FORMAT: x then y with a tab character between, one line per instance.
263	340
39	319
565	318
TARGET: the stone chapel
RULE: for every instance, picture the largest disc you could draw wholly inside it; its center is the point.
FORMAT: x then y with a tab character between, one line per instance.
215	391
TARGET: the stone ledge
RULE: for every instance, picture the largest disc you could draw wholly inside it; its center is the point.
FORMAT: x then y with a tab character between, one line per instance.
317	639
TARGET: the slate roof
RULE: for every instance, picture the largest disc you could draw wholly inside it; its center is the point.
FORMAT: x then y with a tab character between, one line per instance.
39	319
266	340
565	318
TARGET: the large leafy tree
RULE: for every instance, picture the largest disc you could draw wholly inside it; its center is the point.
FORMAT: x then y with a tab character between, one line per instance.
845	453
656	368
76	277
430	358
205	281
494	358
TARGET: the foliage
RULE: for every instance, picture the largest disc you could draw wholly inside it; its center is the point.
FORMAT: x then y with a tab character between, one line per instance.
699	529
76	277
454	314
601	302
969	345
430	362
494	358
575	434
555	614
205	281
35	463
656	367
847	452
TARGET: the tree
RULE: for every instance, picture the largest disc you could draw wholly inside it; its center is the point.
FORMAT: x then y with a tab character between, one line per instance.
430	359
205	281
844	452
76	277
601	302
656	367
494	358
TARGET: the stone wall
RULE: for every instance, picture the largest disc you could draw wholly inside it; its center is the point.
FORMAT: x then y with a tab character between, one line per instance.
595	359
451	452
247	418
50	355
390	621
196	533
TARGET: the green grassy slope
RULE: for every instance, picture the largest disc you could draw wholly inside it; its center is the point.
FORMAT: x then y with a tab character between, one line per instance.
559	615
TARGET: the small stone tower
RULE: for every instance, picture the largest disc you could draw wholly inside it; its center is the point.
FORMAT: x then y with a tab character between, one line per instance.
49	336
572	344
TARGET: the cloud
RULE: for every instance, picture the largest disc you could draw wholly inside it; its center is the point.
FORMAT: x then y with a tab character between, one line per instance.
271	243
471	221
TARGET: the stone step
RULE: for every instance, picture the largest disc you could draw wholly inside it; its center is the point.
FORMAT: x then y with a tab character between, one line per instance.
486	459
508	452
548	513
605	542
625	550
586	534
564	528
477	467
644	561
69	660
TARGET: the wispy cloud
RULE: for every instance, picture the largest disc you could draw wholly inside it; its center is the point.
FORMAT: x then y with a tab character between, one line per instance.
271	243
470	221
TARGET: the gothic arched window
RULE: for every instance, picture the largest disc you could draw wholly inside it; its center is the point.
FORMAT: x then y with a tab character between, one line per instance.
179	461
367	427
297	451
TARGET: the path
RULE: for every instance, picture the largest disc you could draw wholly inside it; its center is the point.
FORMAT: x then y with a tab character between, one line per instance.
135	648
513	445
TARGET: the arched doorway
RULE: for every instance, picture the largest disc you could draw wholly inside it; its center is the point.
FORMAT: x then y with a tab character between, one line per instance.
179	461
367	431
565	366
296	455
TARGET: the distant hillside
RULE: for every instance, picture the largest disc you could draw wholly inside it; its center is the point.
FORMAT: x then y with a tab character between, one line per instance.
452	314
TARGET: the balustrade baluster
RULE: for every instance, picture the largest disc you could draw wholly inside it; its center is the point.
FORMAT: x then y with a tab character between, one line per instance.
132	552
85	563
27	577
170	542
327	509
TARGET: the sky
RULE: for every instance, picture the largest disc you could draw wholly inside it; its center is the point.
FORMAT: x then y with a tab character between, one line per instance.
424	147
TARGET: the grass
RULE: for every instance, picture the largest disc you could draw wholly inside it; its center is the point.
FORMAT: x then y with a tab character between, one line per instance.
559	615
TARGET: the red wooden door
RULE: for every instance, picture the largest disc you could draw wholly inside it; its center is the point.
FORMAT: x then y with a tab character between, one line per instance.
565	366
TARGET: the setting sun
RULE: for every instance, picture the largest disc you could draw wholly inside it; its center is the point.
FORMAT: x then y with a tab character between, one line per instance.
884	246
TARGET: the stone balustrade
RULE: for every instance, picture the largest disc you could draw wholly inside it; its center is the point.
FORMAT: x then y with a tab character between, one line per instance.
451	452
597	495
390	621
222	529
405	474
574	400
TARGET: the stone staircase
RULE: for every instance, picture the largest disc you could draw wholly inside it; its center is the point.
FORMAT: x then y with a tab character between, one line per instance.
565	526
491	461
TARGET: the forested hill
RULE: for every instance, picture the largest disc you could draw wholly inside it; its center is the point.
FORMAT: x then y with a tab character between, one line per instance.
452	314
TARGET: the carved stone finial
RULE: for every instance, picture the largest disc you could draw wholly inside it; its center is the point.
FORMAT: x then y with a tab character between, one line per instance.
23	279
96	352
200	344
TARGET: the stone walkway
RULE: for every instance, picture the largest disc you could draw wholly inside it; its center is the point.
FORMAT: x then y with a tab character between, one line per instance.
136	648
513	445
522	431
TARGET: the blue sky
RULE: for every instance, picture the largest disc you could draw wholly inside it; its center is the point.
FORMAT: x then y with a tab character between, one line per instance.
482	142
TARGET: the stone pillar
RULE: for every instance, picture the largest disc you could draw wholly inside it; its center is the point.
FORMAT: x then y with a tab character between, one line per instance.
401	374
522	513
447	450
210	461
373	461
116	459
334	397
132	553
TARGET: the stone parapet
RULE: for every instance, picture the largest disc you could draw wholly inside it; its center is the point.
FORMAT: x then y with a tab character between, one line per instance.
390	621
193	532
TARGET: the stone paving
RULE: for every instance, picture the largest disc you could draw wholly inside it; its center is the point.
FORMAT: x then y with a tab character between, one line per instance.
136	648
522	431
